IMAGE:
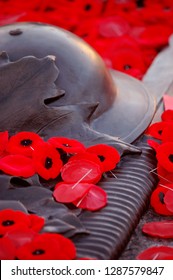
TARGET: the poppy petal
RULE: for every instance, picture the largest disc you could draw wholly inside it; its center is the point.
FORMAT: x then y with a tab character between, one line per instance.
163	229
156	253
17	165
68	145
168	199
94	199
157	201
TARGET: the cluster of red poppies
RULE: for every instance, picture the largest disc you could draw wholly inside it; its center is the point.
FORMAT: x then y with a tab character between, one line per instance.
162	197
20	238
78	168
127	34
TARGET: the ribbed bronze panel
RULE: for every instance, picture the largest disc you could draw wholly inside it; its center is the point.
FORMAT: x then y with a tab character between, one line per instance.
128	197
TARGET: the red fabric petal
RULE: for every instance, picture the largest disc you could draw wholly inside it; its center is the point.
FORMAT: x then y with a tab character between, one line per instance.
167	116
164	176
21	236
17	165
23	143
165	156
153	144
157	201
156	253
95	199
167	134
70	146
81	171
156	129
88	156
10	219
163	229
67	193
47	161
37	222
47	246
7	249
108	156
168	199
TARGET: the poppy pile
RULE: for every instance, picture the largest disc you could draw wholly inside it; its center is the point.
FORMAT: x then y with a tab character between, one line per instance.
76	168
162	197
127	34
20	238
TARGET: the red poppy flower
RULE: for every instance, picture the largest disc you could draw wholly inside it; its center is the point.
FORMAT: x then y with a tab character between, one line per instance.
88	156
163	229
167	134
155	36
7	249
47	162
47	246
37	222
94	199
164	176
77	171
10	220
119	6
3	142
156	253
23	143
156	130
168	199
108	156
67	193
89	8
165	156
157	201
113	26
167	116
17	165
70	146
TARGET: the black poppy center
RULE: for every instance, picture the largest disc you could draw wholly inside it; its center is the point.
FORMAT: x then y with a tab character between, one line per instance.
140	3
26	142
8	223
127	66
171	157
38	252
48	163
88	7
160	132
101	158
161	197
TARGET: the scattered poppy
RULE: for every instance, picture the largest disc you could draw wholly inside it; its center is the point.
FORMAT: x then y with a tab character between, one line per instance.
153	144
10	220
167	134
23	143
157	201
156	129
168	199
3	142
156	253
88	156
46	161
70	146
94	199
20	236
17	165
67	193
165	177
164	156
78	171
47	246
162	229
108	156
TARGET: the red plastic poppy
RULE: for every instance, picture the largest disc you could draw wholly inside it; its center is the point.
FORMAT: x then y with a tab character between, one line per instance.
168	199
70	146
10	220
94	199
47	162
23	143
47	246
156	253
20	236
89	8
37	222
78	171
156	130
157	201
113	26
3	142
17	165
164	176
165	156
167	116
167	134
7	249
163	229
108	156
67	193
88	156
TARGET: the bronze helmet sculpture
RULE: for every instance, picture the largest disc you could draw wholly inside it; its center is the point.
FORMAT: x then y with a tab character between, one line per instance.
118	105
